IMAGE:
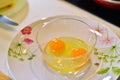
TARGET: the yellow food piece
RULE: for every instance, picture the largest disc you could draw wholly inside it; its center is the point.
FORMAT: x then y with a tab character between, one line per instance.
78	52
57	45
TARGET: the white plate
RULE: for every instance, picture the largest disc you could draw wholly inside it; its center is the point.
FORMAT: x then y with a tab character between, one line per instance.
16	7
105	60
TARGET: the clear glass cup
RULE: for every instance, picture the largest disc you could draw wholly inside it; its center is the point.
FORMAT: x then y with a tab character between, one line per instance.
68	27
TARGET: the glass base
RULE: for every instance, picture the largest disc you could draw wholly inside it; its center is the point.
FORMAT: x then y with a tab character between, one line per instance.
42	72
72	75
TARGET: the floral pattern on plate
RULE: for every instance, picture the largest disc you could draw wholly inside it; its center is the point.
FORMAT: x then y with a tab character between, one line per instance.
19	50
109	53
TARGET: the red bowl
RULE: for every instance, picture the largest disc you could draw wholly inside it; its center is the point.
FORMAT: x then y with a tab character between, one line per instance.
109	3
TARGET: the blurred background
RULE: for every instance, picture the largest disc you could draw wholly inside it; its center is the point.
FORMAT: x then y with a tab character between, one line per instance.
108	10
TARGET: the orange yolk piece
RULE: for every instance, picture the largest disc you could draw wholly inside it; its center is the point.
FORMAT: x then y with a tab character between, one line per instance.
78	52
57	45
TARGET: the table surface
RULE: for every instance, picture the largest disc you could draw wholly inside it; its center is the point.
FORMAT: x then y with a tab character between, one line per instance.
37	9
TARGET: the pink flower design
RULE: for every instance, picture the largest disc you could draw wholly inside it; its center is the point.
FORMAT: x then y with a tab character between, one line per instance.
99	30
26	30
28	41
107	40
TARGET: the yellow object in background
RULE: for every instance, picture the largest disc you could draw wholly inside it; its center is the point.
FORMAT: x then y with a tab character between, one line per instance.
5	3
4	77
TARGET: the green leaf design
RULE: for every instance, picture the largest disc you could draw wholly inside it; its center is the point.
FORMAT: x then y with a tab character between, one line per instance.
99	58
97	64
30	58
18	54
33	55
95	51
116	70
118	61
105	59
21	59
103	70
